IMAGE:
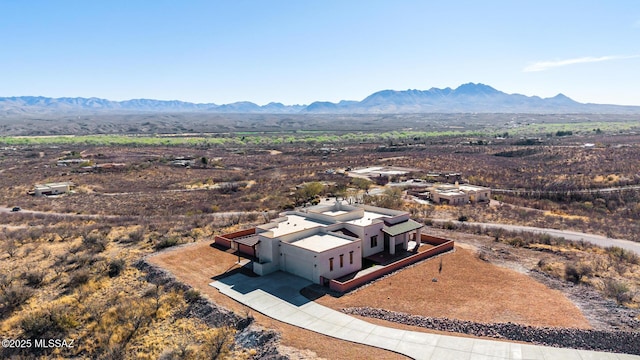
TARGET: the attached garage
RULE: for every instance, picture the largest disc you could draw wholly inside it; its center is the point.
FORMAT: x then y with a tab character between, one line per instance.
298	266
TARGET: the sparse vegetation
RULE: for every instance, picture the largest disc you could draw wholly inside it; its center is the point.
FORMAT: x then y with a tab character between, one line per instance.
612	270
74	254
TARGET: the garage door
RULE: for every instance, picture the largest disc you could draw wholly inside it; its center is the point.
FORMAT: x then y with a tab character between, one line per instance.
297	266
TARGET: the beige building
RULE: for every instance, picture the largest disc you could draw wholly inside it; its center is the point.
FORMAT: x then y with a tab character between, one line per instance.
458	194
330	241
52	188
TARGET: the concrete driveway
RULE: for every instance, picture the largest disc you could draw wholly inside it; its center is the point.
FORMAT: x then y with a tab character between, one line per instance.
278	296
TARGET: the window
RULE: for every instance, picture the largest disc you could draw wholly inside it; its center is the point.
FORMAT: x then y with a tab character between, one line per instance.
341	260
330	264
374	241
350	257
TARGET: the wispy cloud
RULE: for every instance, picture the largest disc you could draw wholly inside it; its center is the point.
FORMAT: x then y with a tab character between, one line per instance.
546	65
636	24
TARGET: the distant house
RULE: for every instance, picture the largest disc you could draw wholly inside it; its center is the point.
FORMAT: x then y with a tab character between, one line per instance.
183	162
53	188
325	242
458	194
110	166
67	162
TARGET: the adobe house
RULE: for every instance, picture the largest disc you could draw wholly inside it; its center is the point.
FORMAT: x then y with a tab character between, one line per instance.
458	194
325	242
53	188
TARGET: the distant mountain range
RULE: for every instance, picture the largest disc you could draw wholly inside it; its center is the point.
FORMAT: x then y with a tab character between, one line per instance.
467	98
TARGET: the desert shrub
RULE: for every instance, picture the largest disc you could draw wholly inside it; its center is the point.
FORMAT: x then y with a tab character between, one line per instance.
136	236
10	246
94	242
571	274
50	323
617	290
115	267
75	249
545	266
576	274
34	278
5	280
192	295
114	352
14	296
517	242
82	260
288	206
545	239
78	278
219	344
166	241
618	254
542	262
229	188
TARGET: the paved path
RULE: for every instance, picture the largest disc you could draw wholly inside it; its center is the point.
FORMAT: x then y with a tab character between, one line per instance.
569	235
278	296
579	191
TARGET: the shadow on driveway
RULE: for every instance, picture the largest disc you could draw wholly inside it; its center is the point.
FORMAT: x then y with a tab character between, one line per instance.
283	286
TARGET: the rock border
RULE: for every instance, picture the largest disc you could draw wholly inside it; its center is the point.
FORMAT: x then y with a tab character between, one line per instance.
627	342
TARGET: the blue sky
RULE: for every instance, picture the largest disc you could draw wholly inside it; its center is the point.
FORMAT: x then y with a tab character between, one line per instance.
296	52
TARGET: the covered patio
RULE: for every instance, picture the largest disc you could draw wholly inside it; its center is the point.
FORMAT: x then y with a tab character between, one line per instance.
397	236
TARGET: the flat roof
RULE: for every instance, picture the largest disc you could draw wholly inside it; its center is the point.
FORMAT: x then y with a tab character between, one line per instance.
366	170
52	185
451	192
320	242
392	172
293	224
449	187
367	219
473	187
335	213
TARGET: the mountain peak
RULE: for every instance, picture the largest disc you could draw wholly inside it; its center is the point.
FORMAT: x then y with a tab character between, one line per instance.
476	89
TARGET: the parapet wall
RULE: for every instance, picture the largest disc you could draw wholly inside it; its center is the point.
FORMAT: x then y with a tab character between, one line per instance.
441	245
225	240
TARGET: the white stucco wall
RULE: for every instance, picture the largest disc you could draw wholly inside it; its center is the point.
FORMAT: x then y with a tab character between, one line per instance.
369	231
298	261
312	265
267	250
347	268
